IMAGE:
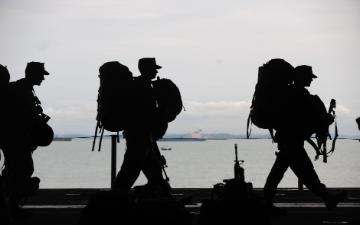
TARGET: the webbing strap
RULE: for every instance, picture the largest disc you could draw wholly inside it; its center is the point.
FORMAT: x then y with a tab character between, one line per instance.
321	148
316	148
336	135
95	135
271	131
101	138
249	122
248	126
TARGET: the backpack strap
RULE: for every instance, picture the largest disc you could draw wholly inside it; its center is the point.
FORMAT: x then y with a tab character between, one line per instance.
101	137
95	135
271	131
316	148
249	122
248	126
336	135
321	149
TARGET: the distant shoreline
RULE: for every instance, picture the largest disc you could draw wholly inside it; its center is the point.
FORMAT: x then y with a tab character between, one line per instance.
184	138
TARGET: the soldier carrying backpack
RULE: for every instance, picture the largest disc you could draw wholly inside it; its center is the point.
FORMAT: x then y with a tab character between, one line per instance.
147	122
4	83
4	86
304	114
142	109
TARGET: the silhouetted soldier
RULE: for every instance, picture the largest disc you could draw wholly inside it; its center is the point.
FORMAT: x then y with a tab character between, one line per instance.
4	83
4	77
290	137
21	141
140	135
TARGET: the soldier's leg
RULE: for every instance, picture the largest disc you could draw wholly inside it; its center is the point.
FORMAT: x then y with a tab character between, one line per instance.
153	172
17	174
138	147
304	169
276	174
152	169
4	209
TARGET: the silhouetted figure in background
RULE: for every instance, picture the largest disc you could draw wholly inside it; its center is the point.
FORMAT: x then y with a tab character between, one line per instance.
358	122
4	83
140	135
24	135
290	137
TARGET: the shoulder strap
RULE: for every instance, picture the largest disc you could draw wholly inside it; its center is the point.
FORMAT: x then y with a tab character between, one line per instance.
334	139
249	122
316	148
248	126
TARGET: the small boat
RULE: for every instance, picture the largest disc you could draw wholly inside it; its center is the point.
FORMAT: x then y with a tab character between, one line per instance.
165	148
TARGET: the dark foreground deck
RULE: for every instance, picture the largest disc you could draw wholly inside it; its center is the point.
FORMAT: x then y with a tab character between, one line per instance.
63	206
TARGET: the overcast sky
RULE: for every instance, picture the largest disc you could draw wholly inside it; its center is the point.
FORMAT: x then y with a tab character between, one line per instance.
210	49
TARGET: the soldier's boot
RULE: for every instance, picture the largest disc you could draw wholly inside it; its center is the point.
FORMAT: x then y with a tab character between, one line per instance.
333	199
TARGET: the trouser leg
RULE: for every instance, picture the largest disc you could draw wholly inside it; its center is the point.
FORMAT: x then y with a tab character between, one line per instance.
19	167
304	169
152	169
138	148
275	176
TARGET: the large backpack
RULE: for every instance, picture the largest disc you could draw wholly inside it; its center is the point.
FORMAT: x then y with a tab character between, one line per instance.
114	98
168	98
267	108
169	105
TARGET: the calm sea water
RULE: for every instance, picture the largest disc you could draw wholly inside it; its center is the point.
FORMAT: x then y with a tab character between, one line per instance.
190	164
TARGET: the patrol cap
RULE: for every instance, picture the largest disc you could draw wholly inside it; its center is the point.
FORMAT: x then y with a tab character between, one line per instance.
304	70
36	67
148	63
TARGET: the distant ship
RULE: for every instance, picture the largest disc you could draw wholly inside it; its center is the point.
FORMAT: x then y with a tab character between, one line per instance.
62	139
195	136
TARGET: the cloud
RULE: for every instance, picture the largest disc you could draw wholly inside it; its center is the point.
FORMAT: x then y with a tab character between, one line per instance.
215	109
212	116
72	110
343	110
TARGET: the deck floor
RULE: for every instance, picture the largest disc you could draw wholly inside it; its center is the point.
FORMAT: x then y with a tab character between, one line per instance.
63	206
